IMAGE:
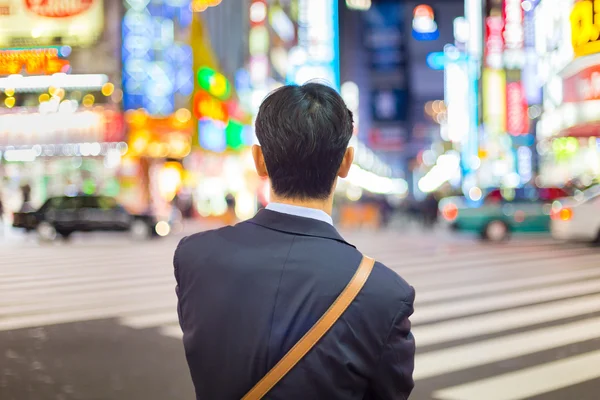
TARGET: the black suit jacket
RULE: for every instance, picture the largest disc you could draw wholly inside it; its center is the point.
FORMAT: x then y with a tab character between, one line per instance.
248	293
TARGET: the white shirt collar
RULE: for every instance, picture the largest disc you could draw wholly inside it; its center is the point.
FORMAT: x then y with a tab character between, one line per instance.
299	211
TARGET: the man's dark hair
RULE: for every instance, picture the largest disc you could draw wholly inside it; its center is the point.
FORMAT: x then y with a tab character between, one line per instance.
304	132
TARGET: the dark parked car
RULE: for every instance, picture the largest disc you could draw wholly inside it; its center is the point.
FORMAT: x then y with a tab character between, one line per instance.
65	215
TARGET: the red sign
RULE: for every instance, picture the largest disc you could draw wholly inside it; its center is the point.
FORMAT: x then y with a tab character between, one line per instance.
583	86
58	8
42	61
494	41
517	120
386	139
206	106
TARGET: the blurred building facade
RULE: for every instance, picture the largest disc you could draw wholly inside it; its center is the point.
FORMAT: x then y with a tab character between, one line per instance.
61	125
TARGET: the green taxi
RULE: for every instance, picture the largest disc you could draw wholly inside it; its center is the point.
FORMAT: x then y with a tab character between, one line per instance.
502	212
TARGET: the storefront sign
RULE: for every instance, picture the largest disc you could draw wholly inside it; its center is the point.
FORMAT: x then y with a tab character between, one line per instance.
583	86
517	120
494	41
206	106
34	61
76	22
58	8
26	128
585	35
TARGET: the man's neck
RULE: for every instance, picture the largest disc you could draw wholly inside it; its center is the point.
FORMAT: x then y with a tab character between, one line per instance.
323	205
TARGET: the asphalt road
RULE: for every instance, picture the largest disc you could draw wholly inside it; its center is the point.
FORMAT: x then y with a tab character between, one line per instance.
94	319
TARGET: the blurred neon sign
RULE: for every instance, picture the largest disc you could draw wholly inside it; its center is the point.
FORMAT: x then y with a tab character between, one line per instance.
319	42
203	5
494	41
206	106
438	59
156	67
58	8
214	83
514	32
424	26
516	109
211	135
494	100
35	61
585	34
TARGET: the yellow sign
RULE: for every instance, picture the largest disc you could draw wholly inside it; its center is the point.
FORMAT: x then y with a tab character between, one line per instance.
585	27
494	100
76	22
34	61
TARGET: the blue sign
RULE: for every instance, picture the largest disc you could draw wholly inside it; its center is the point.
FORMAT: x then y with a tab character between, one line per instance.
436	60
389	105
425	36
384	40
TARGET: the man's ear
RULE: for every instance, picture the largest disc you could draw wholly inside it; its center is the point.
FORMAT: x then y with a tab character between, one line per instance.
346	163
259	161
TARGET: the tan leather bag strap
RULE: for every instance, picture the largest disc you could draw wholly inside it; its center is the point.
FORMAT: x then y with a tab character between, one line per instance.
315	333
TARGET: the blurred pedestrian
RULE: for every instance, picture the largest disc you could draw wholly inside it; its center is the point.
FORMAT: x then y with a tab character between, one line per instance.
430	211
26	194
249	293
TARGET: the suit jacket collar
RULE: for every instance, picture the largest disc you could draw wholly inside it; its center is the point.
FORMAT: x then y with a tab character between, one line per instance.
296	225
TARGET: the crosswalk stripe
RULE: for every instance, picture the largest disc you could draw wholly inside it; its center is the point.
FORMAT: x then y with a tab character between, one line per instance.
493	350
471	327
460	308
42	265
34	284
488	287
421	267
133	294
461	278
147	321
100	288
75	315
530	382
173	331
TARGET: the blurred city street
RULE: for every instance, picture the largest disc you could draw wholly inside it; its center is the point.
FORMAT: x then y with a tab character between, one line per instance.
94	318
126	125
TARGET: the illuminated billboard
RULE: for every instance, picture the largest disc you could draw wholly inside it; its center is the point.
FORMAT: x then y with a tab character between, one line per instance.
318	40
157	67
75	22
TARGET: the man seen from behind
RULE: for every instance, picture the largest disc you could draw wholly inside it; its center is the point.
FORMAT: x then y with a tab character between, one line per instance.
248	293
